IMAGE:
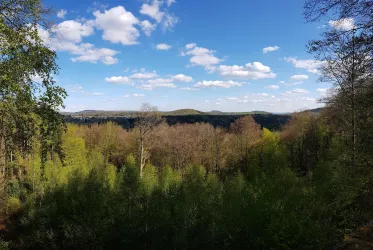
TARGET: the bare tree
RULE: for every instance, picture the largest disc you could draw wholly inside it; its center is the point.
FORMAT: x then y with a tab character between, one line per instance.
147	119
347	65
246	135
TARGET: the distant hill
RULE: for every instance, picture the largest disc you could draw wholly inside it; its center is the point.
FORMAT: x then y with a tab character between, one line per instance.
318	110
183	112
178	112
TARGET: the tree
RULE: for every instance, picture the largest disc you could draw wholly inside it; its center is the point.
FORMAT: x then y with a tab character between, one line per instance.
29	98
147	119
347	56
359	10
246	133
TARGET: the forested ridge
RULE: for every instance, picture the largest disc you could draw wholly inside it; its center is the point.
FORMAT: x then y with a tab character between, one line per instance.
305	184
270	121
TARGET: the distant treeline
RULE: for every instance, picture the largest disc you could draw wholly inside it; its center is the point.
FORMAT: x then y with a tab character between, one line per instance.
269	121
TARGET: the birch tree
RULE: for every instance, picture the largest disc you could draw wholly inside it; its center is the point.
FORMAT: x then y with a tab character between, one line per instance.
148	118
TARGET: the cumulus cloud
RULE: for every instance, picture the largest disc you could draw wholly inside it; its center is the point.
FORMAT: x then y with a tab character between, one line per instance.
117	25
310	65
296	92
163	46
119	80
152	10
61	13
190	45
72	31
270	49
299	77
291	83
255	70
158	83
343	24
273	87
147	27
219	84
144	75
67	36
170	2
93	55
169	21
201	57
307	99
321	90
182	78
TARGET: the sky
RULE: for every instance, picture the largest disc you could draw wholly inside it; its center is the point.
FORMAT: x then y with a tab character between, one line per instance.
235	55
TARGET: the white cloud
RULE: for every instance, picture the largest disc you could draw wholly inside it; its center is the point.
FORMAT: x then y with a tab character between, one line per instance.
152	10
144	75
72	31
118	80
190	45
342	24
296	92
170	2
158	83
299	77
220	84
201	57
169	21
273	87
163	46
36	78
96	94
182	78
117	25
291	83
92	55
138	95
321	90
75	89
255	70
147	27
67	36
310	65
61	13
308	99
270	49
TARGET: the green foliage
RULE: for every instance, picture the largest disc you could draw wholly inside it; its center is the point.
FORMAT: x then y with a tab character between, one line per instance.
3	244
12	206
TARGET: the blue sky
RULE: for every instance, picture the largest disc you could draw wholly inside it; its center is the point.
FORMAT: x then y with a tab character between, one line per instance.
231	55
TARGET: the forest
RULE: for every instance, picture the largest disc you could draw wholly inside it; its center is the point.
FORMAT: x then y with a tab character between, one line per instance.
305	184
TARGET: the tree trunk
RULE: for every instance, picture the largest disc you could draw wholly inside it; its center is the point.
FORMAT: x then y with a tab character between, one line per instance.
2	159
142	157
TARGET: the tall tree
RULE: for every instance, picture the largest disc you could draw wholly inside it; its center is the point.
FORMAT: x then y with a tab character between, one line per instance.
246	135
147	119
346	50
28	94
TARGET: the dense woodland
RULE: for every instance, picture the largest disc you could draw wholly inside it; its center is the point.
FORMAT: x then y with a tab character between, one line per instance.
270	121
306	185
